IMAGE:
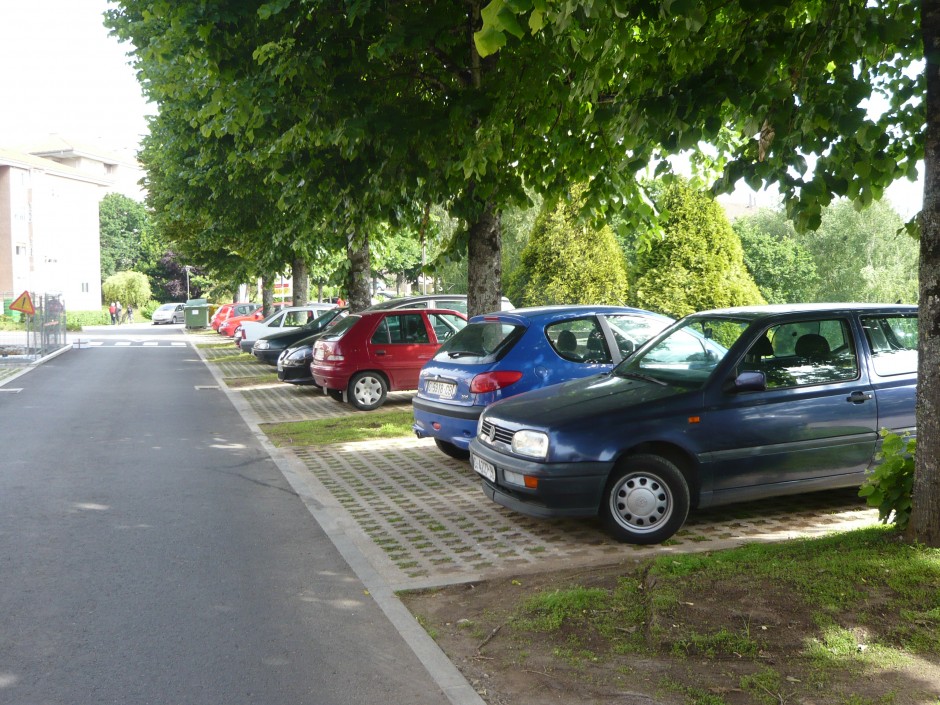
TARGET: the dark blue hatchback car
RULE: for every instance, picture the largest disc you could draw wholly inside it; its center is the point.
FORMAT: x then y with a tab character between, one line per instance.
509	352
724	406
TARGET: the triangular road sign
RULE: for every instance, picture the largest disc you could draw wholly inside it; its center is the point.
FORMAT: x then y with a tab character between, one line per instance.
24	304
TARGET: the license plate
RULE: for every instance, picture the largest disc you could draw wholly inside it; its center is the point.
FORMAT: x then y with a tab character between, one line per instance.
445	390
486	469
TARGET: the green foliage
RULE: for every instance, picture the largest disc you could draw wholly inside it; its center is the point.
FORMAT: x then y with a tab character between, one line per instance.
793	79
863	255
568	261
781	266
130	288
124	224
889	488
698	264
78	319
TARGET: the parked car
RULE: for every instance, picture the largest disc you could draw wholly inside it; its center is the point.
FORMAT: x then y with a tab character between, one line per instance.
510	352
293	365
232	323
238	309
723	406
167	313
454	302
368	354
268	347
290	317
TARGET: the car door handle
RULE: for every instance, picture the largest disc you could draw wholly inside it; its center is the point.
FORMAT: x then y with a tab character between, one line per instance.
859	397
379	352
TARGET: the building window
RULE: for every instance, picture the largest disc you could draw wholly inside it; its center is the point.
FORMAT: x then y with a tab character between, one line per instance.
85	288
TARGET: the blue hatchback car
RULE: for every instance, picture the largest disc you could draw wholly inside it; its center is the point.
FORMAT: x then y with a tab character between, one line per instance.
504	353
724	406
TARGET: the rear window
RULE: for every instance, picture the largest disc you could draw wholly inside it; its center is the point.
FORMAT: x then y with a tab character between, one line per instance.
485	340
337	331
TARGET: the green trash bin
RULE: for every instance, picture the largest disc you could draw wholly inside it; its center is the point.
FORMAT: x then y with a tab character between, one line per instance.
196	313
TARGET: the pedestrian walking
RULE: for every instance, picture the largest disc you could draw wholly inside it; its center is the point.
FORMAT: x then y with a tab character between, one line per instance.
112	309
117	311
130	313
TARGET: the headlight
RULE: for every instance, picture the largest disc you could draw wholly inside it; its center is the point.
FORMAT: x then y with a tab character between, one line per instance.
531	443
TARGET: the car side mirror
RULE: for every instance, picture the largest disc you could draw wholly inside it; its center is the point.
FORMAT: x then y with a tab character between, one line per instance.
748	382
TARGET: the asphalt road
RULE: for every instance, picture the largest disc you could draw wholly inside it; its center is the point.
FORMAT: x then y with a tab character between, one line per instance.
152	552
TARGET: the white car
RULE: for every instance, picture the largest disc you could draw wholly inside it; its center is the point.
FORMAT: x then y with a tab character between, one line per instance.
168	313
249	331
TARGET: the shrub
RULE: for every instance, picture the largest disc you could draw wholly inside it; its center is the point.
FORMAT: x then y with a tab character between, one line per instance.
890	486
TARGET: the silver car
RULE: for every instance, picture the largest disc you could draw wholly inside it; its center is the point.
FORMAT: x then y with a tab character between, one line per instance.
167	313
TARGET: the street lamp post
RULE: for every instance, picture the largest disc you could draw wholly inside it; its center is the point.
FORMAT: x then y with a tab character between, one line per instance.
186	267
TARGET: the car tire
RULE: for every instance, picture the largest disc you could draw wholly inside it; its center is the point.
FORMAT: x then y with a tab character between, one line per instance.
449	449
646	500
335	394
367	390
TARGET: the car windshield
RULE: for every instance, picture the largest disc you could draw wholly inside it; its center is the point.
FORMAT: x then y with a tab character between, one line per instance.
480	340
686	355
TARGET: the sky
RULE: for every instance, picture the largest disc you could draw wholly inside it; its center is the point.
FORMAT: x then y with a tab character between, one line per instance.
61	73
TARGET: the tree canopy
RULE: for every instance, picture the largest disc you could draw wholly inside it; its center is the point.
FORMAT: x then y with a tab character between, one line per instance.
698	264
568	261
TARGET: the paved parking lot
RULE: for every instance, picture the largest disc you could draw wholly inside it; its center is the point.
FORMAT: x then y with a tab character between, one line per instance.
422	520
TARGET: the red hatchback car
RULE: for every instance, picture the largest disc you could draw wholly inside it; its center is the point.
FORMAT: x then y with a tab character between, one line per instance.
368	354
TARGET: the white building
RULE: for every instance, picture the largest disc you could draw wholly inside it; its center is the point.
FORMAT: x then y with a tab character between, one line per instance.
49	226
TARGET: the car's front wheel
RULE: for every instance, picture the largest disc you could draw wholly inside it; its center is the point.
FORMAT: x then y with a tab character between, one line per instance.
646	500
448	448
367	391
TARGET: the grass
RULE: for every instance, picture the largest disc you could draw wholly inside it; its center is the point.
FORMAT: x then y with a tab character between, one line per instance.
868	604
360	426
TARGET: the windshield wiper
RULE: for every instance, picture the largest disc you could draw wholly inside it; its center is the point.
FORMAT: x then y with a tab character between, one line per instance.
645	378
462	353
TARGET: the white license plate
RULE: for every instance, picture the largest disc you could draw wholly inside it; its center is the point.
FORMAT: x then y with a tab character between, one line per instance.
442	389
486	469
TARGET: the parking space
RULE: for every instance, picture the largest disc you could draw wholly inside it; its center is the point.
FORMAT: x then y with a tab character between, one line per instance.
422	520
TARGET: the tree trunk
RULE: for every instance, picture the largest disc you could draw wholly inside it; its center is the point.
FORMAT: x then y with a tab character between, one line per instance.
924	526
360	273
484	264
267	294
301	282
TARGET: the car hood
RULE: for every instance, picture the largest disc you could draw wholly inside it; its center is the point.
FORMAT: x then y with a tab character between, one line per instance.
578	401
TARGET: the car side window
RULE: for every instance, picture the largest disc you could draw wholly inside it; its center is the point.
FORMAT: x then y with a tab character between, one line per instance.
630	332
296	318
445	325
405	328
576	341
382	336
458	305
805	353
893	344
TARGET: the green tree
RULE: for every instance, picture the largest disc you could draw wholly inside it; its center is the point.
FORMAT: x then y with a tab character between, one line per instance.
780	265
130	288
698	263
123	223
568	261
863	255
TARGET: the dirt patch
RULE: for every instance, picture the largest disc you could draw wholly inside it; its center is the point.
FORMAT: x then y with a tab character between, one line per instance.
635	642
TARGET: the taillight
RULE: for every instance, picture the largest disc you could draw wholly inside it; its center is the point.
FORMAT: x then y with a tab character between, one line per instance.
491	381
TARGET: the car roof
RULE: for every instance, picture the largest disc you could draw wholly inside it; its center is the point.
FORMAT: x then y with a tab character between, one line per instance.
769	310
532	314
372	313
